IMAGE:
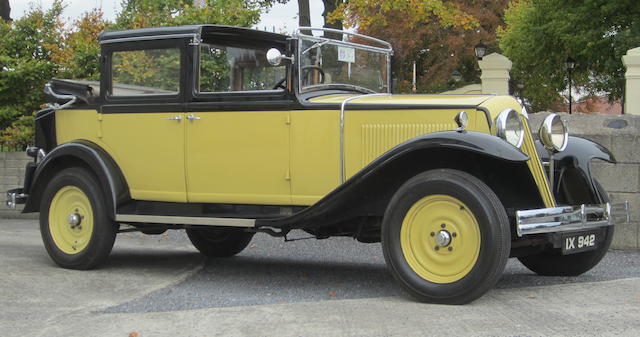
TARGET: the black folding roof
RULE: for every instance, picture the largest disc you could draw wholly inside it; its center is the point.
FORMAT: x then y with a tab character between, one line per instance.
168	32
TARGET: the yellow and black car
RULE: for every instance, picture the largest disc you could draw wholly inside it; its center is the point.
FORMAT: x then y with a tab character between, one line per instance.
227	132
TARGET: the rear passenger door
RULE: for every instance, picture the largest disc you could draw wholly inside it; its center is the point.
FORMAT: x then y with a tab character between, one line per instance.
142	121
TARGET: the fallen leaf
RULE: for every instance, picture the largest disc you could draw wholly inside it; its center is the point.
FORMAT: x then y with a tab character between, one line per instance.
333	294
253	245
531	297
133	334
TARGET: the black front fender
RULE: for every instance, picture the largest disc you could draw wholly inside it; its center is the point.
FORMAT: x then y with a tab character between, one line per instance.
573	165
89	155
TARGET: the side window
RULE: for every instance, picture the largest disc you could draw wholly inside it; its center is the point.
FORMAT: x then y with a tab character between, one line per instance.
224	69
145	72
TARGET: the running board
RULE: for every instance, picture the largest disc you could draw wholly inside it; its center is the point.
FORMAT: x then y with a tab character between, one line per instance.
185	220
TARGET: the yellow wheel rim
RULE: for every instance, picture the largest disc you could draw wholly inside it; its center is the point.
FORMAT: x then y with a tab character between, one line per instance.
70	220
423	237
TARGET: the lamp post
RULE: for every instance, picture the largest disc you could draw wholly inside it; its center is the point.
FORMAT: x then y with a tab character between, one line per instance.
480	49
570	64
414	87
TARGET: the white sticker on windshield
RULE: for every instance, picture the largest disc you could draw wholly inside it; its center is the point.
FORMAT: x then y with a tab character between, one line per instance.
346	54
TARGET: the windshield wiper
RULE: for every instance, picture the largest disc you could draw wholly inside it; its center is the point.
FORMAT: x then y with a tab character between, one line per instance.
316	45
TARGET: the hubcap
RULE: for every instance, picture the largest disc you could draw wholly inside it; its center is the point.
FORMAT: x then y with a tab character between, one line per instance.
74	220
440	239
443	238
70	220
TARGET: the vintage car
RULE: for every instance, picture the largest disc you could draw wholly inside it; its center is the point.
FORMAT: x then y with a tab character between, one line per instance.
227	132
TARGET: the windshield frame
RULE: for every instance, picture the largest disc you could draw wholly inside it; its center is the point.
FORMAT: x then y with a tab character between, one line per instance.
299	34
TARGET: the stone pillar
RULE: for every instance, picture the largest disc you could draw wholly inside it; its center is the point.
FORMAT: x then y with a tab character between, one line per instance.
632	88
495	74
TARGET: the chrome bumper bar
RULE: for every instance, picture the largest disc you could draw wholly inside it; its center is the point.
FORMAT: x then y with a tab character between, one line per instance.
570	218
15	197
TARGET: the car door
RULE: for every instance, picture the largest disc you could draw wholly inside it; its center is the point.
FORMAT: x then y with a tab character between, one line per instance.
237	148
142	122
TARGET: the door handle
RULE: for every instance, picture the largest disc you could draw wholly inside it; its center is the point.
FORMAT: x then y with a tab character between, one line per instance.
175	118
192	118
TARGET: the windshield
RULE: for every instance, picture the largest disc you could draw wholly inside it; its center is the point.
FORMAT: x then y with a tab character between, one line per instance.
326	63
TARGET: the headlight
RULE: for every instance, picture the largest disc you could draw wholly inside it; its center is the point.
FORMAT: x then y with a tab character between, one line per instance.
509	127
553	133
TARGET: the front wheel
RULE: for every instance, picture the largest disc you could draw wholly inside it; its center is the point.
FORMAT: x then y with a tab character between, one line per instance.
446	237
74	224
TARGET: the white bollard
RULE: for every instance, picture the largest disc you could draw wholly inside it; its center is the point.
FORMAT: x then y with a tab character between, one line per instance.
495	74
632	88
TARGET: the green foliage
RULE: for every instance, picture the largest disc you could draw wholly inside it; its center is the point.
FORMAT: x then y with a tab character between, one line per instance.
541	34
19	135
155	13
25	66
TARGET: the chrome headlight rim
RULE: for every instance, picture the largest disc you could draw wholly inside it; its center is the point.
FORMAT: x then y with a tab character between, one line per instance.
546	133
502	123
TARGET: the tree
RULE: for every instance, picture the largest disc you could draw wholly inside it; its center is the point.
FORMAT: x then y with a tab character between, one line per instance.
25	66
541	34
304	15
438	35
155	13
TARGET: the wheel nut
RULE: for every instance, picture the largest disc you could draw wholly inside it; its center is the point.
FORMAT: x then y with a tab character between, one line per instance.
454	234
443	225
433	234
450	248
437	248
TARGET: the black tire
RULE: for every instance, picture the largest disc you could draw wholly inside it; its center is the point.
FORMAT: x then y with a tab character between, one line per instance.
220	241
554	264
487	233
88	243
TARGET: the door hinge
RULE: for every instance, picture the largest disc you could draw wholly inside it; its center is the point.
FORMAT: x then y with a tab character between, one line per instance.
287	176
287	120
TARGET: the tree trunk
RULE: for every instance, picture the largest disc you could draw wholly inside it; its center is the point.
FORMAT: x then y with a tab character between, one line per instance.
304	15
5	10
330	6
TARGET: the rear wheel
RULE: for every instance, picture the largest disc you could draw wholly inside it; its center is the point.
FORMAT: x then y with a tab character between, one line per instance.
446	237
219	242
554	264
75	227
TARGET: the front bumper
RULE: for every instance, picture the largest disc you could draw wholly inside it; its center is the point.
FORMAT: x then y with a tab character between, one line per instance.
570	218
15	197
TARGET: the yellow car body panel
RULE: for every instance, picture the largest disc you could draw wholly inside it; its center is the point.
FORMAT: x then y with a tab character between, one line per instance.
238	157
273	157
315	154
148	147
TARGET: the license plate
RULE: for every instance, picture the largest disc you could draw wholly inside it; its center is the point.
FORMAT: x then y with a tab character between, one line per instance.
577	243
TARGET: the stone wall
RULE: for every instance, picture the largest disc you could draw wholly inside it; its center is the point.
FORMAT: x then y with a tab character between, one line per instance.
620	134
12	166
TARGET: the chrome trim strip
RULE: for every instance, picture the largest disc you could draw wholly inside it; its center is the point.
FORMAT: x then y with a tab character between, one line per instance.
186	220
569	218
151	37
298	32
343	172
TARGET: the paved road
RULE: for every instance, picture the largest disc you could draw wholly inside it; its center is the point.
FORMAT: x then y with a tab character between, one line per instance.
159	285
